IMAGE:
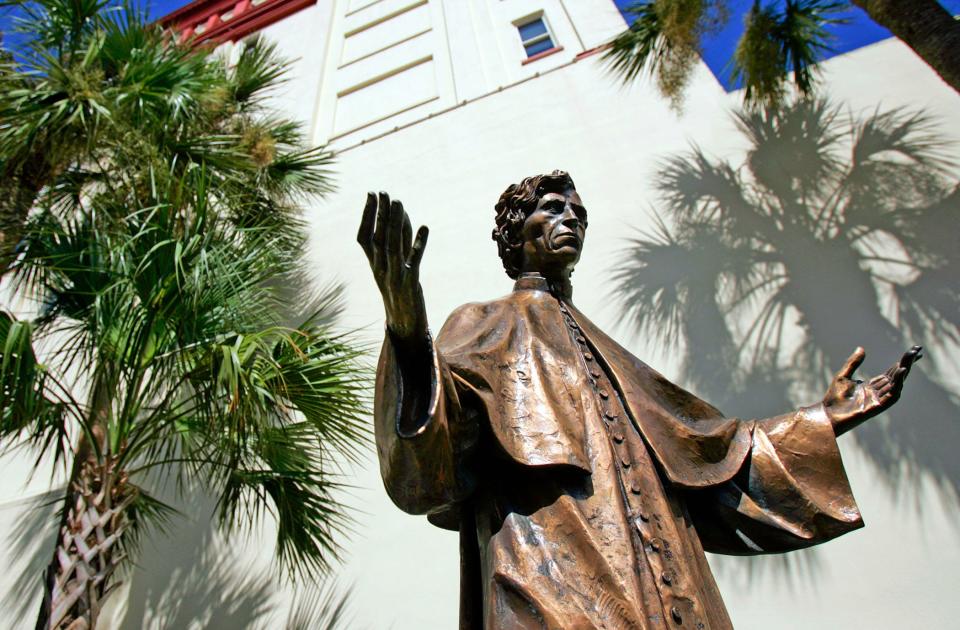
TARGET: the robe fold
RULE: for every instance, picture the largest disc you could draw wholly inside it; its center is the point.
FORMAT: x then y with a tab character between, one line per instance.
584	484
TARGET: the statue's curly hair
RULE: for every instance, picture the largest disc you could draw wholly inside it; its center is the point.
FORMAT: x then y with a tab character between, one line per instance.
516	203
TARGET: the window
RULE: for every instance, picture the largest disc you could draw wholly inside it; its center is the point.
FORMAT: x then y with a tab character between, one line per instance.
535	36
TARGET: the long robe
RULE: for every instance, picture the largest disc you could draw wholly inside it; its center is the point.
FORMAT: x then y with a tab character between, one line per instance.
585	486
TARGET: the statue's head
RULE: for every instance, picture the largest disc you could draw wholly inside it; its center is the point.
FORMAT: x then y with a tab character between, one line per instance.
540	225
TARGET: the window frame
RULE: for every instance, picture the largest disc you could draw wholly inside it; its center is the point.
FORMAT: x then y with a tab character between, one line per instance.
547	35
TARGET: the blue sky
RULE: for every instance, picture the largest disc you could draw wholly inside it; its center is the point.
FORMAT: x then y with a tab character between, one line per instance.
159	8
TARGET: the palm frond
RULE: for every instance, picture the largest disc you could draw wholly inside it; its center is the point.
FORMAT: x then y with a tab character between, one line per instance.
280	476
804	37
776	41
638	48
258	421
146	516
300	172
663	40
258	70
34	406
59	25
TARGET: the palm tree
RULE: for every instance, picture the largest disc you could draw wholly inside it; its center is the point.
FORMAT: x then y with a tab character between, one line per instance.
664	39
843	226
159	239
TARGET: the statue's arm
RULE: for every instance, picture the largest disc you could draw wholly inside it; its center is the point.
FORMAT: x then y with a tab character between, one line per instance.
418	430
422	433
791	490
385	235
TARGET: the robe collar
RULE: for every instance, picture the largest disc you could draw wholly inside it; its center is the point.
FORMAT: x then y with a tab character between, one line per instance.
531	281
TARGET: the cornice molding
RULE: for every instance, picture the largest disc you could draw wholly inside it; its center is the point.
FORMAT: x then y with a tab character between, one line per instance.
203	20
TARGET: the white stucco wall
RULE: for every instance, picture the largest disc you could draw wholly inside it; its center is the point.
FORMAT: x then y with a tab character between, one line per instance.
448	161
449	171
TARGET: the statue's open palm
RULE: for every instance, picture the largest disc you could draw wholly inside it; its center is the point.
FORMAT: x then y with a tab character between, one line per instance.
386	237
849	402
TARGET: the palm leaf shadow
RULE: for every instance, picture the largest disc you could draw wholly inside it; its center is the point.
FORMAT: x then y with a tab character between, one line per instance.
197	580
192	582
30	546
835	231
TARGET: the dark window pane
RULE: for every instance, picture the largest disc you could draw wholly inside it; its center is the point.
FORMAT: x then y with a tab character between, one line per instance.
532	29
539	47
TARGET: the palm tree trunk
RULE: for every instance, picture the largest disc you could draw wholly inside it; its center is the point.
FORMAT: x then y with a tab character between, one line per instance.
78	577
926	27
92	524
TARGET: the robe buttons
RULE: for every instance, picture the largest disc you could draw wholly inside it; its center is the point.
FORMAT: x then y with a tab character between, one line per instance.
595	373
635	488
618	437
611	415
675	613
588	356
655	544
604	394
625	461
667	577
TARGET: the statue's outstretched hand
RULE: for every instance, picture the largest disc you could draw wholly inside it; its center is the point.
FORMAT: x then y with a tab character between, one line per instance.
386	238
849	402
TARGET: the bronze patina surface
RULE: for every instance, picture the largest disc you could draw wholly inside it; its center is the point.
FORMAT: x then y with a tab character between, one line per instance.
585	486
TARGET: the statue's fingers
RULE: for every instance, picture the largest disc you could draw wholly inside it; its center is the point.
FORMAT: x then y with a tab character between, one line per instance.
367	221
896	383
899	377
879	380
383	213
891	372
406	236
900	369
886	397
394	243
911	356
419	244
852	363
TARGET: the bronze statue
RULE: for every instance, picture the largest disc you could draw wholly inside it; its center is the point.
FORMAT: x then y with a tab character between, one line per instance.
585	486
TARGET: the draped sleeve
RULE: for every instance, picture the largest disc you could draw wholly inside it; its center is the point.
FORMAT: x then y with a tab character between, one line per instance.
422	433
791	491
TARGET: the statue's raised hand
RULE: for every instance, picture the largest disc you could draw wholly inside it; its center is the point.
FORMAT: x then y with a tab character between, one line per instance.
849	402
387	239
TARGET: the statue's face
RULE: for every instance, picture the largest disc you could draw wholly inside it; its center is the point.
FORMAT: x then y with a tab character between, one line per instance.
553	233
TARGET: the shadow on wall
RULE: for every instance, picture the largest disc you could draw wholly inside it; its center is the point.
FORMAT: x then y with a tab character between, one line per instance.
186	579
30	545
835	232
192	579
